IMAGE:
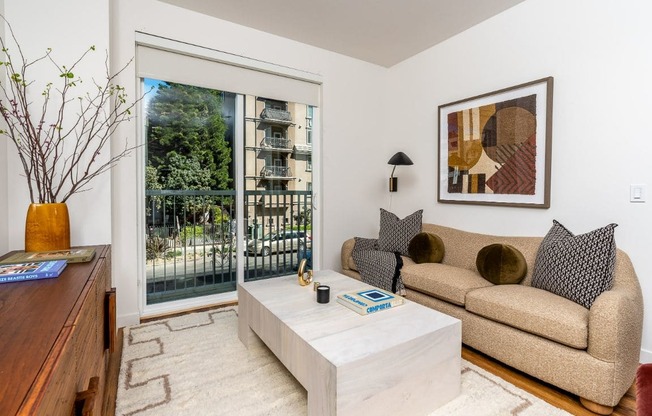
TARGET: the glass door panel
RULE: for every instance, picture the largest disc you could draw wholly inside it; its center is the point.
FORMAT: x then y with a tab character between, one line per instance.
277	191
190	206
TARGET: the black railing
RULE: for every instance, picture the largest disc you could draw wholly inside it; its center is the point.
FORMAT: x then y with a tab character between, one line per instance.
191	239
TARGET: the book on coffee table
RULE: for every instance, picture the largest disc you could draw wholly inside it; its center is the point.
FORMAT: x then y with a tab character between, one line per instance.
369	301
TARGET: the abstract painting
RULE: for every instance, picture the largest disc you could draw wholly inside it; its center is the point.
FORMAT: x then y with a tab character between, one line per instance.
494	149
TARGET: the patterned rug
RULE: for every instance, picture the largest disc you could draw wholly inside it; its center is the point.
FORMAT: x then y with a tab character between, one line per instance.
195	365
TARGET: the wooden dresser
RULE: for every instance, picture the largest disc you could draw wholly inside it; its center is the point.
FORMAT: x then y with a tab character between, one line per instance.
55	339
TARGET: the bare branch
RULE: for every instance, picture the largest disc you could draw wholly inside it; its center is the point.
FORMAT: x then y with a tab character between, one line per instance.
61	153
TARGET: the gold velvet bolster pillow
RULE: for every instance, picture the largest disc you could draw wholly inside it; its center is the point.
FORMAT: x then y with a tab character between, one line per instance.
501	264
426	248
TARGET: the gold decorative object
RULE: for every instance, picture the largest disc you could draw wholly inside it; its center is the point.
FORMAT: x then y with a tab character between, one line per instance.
305	276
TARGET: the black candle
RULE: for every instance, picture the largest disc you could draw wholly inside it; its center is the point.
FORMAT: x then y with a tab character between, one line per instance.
323	294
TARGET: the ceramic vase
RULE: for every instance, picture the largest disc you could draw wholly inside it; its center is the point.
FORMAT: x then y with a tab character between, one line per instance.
47	227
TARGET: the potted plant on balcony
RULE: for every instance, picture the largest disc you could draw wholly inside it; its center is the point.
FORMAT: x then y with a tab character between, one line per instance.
60	139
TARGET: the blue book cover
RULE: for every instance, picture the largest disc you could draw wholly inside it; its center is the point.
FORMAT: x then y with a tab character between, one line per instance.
31	271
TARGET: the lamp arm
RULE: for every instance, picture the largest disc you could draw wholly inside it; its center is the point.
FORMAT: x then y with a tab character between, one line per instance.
392	175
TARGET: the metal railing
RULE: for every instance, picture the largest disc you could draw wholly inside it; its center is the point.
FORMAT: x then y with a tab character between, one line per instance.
282	172
277	143
276	114
191	239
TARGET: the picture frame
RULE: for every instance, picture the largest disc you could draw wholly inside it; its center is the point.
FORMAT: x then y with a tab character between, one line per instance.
495	148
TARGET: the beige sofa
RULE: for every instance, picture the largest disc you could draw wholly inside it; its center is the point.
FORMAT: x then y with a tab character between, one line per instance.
591	353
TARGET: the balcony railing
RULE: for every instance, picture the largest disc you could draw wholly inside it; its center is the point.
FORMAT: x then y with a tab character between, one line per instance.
276	172
191	239
276	143
277	116
303	149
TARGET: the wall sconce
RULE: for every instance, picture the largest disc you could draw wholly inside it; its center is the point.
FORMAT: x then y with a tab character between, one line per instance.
399	158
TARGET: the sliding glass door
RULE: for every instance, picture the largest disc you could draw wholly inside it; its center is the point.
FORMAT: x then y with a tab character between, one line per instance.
192	192
227	176
190	198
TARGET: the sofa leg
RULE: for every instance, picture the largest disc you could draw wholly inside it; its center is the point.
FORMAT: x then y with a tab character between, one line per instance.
596	407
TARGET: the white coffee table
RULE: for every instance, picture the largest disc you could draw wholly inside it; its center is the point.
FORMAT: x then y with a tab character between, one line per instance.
401	361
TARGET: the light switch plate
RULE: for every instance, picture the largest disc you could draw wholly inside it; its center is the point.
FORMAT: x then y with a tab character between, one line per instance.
637	193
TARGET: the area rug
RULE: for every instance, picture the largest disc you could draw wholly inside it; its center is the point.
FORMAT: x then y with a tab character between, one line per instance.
195	365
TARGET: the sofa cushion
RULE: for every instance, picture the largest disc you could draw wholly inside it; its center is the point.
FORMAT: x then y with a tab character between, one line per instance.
426	248
579	267
501	264
395	234
442	281
533	310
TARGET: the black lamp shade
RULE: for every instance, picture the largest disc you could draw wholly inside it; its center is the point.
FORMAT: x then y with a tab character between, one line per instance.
400	158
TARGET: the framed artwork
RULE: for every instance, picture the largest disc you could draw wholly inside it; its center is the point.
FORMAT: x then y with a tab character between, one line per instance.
494	149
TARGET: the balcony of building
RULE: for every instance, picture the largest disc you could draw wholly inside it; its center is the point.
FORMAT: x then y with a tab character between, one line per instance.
303	149
278	144
276	116
276	172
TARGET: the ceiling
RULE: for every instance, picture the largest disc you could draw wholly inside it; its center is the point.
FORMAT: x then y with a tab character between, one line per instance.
383	32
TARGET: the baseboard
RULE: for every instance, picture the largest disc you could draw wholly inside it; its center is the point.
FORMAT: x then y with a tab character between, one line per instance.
127	320
646	356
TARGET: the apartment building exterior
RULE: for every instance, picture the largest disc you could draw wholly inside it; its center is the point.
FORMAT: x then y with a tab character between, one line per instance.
278	165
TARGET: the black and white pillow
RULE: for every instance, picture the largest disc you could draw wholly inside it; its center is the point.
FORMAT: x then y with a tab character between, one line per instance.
579	267
395	234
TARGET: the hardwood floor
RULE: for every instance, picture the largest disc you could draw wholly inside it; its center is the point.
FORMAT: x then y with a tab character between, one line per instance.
551	394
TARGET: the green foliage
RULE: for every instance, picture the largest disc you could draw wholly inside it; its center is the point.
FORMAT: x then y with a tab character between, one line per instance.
191	231
186	172
172	254
155	246
186	138
152	178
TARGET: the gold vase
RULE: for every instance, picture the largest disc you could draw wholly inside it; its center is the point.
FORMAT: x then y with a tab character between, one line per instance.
47	227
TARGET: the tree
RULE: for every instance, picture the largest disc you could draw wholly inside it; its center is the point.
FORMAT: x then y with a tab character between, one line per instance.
186	172
187	131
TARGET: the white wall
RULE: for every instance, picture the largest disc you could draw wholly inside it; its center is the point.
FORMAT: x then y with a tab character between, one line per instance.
68	28
598	53
4	200
352	117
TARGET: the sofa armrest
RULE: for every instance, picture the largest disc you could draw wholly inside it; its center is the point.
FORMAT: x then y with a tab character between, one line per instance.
616	318
347	255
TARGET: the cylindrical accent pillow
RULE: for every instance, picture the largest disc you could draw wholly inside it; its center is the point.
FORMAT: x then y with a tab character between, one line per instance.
501	264
426	248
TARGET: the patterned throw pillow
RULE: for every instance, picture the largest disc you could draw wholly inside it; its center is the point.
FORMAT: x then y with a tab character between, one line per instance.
579	267
395	234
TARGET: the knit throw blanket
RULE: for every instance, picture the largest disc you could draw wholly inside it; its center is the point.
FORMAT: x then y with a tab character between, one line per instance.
378	268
